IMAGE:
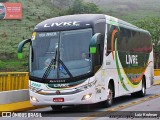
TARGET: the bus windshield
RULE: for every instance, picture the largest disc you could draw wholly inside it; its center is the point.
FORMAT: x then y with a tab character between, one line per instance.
57	55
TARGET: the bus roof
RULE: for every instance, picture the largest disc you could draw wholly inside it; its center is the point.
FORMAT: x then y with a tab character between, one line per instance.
69	22
78	21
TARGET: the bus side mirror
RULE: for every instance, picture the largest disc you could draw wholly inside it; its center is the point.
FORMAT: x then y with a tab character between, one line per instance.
20	47
94	41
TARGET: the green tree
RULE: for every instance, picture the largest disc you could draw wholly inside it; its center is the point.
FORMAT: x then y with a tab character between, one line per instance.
80	7
152	25
62	3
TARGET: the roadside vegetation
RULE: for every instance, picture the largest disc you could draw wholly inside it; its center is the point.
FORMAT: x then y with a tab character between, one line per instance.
35	11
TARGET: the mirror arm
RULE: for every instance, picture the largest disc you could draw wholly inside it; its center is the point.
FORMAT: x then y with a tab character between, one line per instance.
94	41
20	47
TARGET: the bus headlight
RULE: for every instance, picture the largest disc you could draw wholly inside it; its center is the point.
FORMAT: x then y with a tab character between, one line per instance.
86	97
84	87
34	89
34	99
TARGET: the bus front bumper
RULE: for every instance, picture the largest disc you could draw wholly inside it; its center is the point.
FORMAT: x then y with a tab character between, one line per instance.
83	97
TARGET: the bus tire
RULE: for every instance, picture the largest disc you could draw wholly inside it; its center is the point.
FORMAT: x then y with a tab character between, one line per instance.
142	92
109	101
56	107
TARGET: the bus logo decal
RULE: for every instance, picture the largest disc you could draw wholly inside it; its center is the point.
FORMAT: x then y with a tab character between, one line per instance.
63	24
35	84
61	85
58	92
132	59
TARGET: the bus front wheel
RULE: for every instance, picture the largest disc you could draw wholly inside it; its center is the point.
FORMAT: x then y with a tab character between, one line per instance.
109	101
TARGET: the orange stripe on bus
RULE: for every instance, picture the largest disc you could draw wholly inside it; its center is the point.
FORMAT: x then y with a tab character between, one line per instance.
112	42
140	77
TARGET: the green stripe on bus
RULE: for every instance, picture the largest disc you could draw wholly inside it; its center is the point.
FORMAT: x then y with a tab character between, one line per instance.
117	65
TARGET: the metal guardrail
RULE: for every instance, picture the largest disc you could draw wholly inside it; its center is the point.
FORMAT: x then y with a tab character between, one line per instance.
13	81
156	72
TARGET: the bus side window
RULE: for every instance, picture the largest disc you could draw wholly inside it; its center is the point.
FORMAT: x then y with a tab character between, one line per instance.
98	57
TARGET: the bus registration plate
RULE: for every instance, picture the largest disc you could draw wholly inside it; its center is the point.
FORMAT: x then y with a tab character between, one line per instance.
58	99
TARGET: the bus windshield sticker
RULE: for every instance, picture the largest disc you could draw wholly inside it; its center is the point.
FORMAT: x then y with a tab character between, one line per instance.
34	36
48	34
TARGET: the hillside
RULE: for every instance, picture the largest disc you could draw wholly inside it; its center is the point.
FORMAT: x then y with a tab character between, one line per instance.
14	31
35	11
130	10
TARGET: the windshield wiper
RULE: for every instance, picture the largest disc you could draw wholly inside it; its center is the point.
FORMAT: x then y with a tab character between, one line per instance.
53	62
68	72
48	70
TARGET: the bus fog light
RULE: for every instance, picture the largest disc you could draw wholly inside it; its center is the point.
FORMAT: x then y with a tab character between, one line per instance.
34	99
86	97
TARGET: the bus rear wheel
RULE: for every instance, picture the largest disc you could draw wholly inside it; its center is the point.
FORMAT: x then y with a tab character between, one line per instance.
109	101
142	92
56	107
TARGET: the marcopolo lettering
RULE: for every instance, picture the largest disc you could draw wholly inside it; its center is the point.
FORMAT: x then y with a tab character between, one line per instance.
61	24
57	81
61	85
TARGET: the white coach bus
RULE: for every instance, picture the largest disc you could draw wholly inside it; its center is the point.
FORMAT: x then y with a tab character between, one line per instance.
86	59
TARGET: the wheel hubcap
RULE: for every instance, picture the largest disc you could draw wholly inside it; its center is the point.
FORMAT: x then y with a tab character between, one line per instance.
143	89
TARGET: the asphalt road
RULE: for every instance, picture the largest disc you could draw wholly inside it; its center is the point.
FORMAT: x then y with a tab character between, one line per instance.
126	105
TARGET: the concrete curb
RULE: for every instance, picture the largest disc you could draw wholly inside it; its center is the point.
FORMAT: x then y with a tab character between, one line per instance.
14	96
157	82
18	106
